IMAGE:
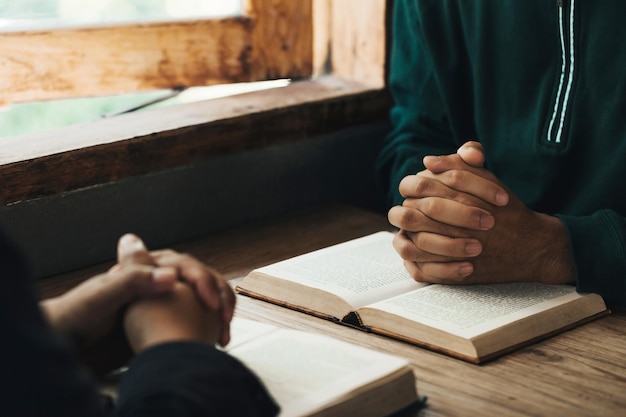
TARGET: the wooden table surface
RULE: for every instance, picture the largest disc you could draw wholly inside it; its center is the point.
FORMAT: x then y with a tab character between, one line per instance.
578	373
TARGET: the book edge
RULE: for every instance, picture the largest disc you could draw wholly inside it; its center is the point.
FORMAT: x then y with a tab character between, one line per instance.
481	359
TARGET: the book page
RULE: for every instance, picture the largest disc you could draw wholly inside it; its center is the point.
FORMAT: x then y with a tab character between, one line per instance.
243	330
474	309
361	271
303	371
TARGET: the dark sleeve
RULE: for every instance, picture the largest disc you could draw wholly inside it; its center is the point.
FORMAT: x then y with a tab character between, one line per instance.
598	245
419	117
191	380
40	374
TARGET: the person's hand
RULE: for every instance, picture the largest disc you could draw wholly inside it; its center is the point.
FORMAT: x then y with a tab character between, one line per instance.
208	286
441	208
461	225
89	311
178	315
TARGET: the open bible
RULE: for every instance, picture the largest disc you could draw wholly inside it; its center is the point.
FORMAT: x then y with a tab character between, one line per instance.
363	283
311	374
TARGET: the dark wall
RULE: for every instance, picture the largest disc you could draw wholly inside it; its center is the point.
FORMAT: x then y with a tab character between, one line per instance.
76	229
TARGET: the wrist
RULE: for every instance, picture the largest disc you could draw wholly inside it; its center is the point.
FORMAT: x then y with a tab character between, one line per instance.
554	259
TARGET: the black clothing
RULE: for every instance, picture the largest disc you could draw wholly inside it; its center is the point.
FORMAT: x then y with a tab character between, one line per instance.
40	376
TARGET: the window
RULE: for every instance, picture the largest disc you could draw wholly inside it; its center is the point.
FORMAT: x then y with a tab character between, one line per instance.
36	116
37	14
274	39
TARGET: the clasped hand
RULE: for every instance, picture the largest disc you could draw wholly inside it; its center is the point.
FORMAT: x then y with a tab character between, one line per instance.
459	225
167	296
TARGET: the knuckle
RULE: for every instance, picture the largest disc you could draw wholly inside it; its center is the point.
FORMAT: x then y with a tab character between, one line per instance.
431	206
404	247
416	186
404	217
407	217
421	186
414	271
455	178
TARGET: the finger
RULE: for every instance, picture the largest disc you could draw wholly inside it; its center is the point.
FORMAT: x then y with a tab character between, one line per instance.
194	273
463	181
461	186
415	272
440	273
97	298
228	298
211	288
452	171
162	280
451	213
207	285
472	153
131	249
129	281
412	220
404	244
446	272
426	184
224	336
446	246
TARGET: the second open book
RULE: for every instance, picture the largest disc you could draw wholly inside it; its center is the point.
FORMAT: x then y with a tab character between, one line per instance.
313	375
363	283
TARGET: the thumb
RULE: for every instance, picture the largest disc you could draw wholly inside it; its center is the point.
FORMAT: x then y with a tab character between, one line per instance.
131	249
472	153
132	255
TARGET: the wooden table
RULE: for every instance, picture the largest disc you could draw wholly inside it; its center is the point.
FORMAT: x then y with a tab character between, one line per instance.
579	373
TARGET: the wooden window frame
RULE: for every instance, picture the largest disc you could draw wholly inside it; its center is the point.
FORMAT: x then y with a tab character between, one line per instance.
340	42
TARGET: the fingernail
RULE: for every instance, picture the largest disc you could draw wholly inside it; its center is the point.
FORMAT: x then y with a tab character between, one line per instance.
431	158
131	241
487	221
502	198
164	275
465	270
473	248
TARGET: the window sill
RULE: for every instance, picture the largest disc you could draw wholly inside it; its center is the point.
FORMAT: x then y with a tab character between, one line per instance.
84	155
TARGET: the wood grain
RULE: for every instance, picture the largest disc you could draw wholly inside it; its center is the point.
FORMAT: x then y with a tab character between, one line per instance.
359	42
282	38
578	373
274	41
84	155
322	38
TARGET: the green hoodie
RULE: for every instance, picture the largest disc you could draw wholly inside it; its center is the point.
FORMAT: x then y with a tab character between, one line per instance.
542	85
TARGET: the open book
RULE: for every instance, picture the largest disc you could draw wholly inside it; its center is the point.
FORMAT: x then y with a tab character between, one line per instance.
310	374
363	283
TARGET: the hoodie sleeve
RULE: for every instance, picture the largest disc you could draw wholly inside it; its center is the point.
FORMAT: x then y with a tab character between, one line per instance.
191	379
419	122
44	378
598	245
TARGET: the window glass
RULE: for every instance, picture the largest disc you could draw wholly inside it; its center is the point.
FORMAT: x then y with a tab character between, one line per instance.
25	118
16	15
33	14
